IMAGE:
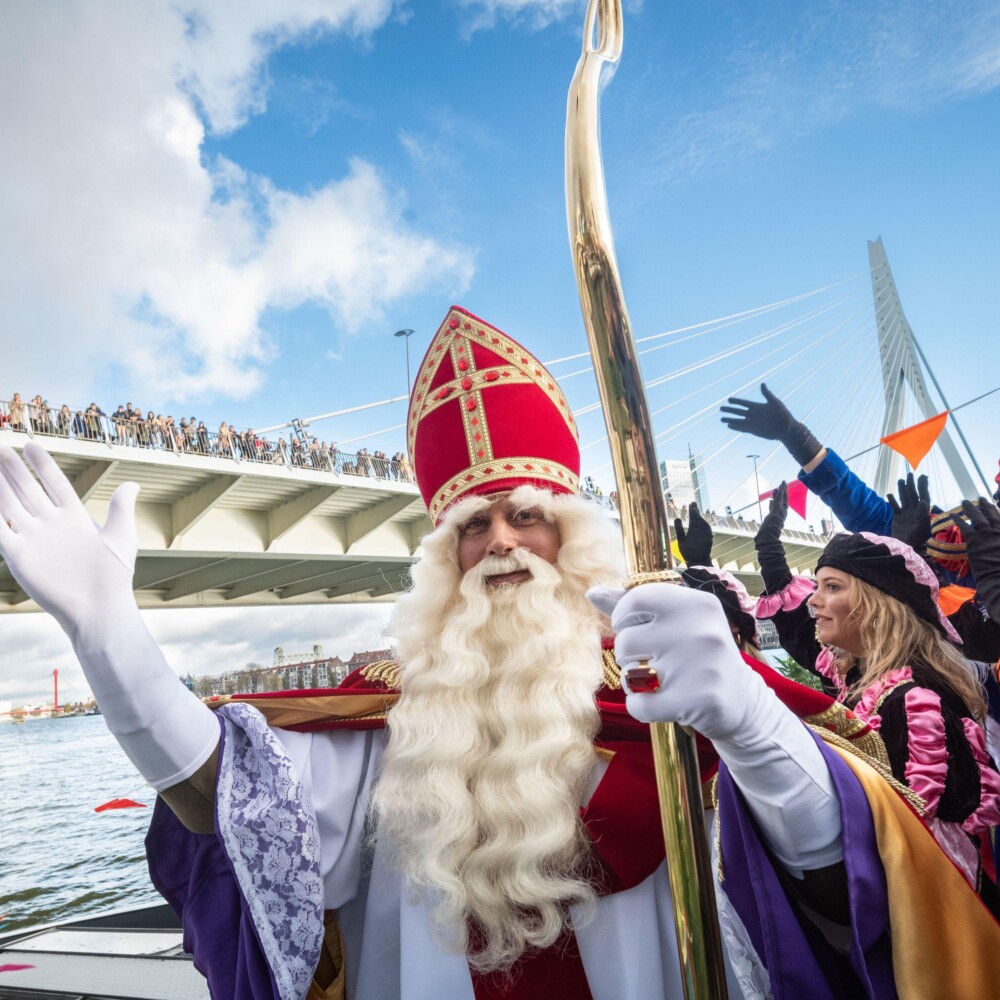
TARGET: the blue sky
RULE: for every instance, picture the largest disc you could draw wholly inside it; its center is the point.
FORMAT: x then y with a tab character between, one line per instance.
227	210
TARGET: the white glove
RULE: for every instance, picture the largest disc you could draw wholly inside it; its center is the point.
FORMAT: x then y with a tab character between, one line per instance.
82	575
705	684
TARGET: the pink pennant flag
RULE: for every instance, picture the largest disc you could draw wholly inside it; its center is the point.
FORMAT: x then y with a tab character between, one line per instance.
14	967
797	493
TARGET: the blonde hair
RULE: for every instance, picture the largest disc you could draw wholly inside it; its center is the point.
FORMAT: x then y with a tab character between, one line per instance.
490	746
893	636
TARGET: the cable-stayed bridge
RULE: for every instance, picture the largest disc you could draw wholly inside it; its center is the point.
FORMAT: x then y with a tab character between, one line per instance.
270	523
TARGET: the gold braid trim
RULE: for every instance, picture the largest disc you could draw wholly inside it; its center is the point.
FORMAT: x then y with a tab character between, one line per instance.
837	720
612	673
385	672
888	691
656	576
884	772
713	797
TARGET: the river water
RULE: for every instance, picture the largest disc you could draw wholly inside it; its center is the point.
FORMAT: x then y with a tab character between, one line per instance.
59	858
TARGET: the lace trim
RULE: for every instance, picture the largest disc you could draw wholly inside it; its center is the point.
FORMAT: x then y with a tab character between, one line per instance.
270	835
749	970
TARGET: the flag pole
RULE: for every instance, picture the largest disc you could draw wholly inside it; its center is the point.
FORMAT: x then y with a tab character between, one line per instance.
640	498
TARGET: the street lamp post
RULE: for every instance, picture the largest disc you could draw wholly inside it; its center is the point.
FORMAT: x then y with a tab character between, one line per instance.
406	334
760	510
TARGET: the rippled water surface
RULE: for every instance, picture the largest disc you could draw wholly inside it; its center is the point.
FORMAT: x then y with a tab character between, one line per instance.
58	858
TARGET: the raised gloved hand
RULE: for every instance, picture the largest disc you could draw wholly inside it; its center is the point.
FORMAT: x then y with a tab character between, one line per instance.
69	566
911	514
82	575
705	684
696	542
774	421
774	568
684	635
980	527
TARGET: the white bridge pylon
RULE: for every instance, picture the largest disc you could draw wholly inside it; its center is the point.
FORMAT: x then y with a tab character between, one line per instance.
901	356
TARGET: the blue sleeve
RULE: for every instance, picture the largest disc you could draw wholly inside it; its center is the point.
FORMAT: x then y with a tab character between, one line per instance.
856	504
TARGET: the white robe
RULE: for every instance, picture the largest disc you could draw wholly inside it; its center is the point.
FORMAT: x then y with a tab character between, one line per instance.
629	949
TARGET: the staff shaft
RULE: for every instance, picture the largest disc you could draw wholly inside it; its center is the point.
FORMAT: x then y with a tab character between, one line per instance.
640	498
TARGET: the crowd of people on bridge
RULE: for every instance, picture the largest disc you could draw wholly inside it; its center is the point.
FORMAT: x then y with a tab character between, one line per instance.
127	425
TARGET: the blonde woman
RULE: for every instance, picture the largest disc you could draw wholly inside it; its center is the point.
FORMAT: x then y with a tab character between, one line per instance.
890	655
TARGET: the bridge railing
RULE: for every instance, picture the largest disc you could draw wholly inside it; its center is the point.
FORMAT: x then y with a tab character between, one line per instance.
40	420
729	521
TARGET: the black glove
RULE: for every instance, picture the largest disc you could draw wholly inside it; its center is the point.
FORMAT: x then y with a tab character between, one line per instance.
774	421
695	543
770	552
980	527
911	518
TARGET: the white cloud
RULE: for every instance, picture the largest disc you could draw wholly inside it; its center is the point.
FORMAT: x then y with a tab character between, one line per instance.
534	13
764	83
121	246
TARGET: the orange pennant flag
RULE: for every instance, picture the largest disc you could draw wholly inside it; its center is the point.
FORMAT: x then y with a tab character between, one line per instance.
914	442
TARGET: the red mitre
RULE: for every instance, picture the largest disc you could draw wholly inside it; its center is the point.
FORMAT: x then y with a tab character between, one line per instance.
486	417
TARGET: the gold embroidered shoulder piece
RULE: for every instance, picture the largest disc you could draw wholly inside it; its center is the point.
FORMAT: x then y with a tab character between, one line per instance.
385	672
839	727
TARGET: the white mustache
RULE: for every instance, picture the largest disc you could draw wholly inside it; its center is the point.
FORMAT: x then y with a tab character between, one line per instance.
513	562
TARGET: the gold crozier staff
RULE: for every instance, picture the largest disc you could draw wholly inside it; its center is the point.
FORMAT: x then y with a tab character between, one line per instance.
640	499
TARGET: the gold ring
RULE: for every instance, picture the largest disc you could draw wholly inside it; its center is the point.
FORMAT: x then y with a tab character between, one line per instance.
642	678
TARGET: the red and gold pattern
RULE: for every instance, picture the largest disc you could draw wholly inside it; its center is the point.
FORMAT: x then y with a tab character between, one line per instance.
486	417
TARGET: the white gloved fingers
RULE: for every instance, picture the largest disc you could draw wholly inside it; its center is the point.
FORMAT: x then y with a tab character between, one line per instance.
8	537
666	602
605	598
59	489
637	642
119	532
11	507
23	483
644	708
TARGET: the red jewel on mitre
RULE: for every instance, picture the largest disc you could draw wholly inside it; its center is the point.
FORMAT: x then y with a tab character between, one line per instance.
486	417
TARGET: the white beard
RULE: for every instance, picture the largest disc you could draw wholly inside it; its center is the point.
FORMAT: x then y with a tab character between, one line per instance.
490	748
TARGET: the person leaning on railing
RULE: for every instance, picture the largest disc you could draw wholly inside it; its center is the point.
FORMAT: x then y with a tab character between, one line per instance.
17	413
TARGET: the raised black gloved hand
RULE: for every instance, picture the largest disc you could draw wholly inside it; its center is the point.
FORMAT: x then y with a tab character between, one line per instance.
770	551
911	515
695	543
980	527
774	421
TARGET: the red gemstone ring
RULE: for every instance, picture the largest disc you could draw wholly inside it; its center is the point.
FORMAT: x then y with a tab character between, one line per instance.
641	678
